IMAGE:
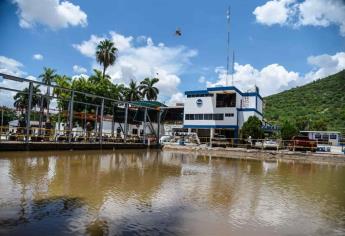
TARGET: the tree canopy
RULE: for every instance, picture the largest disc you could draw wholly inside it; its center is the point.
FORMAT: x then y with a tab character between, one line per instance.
253	128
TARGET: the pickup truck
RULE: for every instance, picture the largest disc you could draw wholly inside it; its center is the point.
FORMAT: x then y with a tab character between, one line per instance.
302	143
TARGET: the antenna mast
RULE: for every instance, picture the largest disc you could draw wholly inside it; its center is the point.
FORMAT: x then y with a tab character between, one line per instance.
233	68
228	44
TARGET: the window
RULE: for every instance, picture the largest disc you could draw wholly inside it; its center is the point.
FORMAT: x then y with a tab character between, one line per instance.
317	136
229	114
200	95
218	116
226	100
333	136
199	116
207	116
325	137
134	131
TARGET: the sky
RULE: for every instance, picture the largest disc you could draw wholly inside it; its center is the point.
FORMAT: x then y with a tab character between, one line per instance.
278	44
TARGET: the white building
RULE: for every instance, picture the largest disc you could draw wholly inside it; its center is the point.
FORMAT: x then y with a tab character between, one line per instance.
220	110
327	137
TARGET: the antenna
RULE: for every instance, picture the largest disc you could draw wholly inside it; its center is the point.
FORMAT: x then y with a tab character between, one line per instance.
233	68
228	44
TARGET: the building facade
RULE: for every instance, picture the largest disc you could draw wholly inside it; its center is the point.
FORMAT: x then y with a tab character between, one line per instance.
220	110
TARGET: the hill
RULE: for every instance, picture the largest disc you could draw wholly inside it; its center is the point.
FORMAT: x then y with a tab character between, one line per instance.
317	105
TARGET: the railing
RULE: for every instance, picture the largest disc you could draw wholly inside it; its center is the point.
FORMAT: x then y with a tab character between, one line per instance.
43	135
272	144
96	110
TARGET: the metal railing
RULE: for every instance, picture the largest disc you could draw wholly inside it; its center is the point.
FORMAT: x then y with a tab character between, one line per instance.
273	144
102	107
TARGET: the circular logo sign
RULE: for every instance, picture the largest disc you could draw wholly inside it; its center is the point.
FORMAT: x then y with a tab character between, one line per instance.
199	102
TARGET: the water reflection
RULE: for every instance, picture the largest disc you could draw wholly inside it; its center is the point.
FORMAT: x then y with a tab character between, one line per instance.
151	192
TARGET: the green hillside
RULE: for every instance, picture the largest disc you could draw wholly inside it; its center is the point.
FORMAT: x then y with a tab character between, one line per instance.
318	105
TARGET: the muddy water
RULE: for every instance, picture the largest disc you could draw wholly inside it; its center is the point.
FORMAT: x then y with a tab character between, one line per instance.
162	193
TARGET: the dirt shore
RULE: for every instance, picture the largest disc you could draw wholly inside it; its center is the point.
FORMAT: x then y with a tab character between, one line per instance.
254	154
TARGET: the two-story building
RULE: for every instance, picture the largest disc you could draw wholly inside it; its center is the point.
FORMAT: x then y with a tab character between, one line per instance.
220	110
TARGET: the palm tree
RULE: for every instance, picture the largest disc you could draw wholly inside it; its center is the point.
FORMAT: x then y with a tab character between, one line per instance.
63	82
21	100
147	88
106	54
48	77
133	92
98	76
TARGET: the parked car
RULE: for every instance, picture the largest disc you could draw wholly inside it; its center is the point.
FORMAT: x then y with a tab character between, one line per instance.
302	143
267	144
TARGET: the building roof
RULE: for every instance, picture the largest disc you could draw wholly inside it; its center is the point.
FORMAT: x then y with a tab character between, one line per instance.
223	88
312	131
153	104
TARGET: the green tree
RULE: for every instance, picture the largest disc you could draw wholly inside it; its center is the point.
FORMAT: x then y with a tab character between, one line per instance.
252	127
148	89
48	77
302	123
106	54
62	95
133	92
98	77
21	101
288	130
319	125
6	115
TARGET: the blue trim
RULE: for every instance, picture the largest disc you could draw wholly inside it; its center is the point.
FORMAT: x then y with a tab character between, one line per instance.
252	94
249	109
225	88
196	92
256	102
211	126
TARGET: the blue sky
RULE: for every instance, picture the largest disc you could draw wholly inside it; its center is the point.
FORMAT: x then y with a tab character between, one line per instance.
278	44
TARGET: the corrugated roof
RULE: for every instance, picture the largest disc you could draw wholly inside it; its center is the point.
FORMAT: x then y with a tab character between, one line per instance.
153	104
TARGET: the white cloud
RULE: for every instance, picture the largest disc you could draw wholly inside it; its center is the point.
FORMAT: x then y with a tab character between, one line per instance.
273	12
202	79
176	98
275	78
55	14
79	69
325	65
137	61
88	47
10	66
302	13
37	57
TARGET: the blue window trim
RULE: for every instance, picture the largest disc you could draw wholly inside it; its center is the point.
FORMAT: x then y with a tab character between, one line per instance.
211	126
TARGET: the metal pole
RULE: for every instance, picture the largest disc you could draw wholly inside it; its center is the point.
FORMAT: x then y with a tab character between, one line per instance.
96	120
28	112
71	118
126	122
113	123
158	126
41	117
101	123
144	128
2	122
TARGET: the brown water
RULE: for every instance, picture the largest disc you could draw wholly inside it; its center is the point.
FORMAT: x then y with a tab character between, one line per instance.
162	193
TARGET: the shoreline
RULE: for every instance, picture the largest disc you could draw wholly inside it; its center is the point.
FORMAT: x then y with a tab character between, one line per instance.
262	155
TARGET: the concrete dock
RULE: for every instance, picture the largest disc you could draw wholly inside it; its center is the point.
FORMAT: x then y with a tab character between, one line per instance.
47	146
